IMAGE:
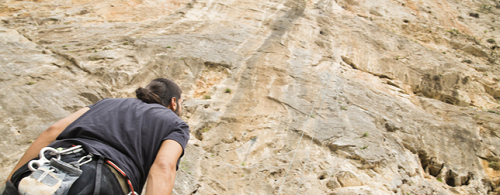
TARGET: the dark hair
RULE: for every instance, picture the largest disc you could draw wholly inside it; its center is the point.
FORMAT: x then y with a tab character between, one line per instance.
159	91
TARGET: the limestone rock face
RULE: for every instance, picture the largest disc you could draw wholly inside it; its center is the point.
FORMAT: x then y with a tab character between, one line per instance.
316	97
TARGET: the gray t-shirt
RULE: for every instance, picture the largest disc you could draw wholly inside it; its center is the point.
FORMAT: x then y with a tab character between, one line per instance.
129	132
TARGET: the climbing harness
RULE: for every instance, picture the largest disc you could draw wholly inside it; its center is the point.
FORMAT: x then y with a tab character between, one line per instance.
132	192
53	176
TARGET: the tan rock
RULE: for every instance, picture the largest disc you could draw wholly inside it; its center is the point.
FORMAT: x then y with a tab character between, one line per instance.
348	179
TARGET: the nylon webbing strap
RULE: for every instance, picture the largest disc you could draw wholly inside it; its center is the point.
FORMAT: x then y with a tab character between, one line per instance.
98	176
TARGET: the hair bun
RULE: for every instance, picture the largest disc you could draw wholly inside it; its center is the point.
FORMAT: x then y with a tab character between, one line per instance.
147	96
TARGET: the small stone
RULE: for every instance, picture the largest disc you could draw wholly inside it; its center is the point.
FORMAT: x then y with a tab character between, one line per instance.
348	178
333	183
390	126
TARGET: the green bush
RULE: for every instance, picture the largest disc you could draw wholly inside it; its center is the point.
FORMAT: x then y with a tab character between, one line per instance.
494	165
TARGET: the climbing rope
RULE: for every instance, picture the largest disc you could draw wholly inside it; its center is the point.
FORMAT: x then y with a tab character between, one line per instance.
312	137
302	135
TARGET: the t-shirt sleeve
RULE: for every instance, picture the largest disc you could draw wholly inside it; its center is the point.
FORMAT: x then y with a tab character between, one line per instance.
180	135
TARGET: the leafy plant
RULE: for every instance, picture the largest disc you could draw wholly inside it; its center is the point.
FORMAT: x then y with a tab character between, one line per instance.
494	165
454	31
365	134
364	147
207	97
31	83
343	108
228	90
492	111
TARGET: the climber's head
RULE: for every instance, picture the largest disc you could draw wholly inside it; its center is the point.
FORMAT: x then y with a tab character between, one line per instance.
162	91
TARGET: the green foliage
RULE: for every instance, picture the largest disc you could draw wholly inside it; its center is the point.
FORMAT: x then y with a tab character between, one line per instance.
228	90
207	97
365	134
440	180
492	111
397	57
206	129
312	116
169	46
243	164
31	83
494	165
484	8
343	108
126	43
64	46
453	32
364	147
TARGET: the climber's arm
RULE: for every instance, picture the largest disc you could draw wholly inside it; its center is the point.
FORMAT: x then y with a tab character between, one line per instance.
161	177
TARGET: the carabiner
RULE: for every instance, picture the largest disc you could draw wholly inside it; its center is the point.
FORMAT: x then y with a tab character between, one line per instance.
42	159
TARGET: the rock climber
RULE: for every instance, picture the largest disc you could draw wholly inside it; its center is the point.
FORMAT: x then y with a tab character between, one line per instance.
110	147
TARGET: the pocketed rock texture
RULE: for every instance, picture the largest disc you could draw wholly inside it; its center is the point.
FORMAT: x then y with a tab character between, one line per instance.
282	96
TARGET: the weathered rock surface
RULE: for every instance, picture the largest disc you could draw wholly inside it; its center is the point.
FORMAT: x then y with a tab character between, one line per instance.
404	95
